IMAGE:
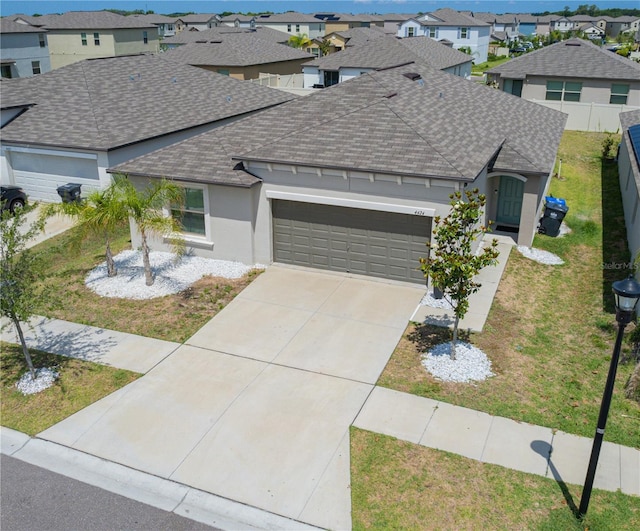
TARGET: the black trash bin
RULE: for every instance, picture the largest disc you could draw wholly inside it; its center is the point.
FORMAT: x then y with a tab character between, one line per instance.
555	210
70	192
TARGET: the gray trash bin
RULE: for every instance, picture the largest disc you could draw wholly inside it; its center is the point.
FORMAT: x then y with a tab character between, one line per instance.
70	192
555	210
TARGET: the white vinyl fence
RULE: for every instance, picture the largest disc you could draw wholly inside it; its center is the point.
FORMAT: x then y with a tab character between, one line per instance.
594	117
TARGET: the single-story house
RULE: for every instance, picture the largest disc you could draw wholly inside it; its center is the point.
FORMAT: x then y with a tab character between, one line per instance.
577	77
629	174
73	123
241	55
351	177
382	53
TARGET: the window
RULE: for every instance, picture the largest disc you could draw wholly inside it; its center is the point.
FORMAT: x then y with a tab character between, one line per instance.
35	67
411	31
433	32
41	39
464	33
563	90
289	28
6	71
169	27
96	39
145	37
224	71
83	36
297	28
619	94
191	214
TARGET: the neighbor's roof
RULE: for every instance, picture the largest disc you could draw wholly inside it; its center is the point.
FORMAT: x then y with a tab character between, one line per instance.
220	32
91	20
571	58
411	120
359	36
235	49
198	18
9	26
285	18
156	19
107	103
451	17
389	52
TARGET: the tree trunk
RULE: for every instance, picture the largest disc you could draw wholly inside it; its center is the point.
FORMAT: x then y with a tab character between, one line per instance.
148	275
25	350
632	387
454	338
111	265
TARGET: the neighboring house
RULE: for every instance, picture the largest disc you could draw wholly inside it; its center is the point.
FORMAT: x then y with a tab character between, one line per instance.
392	21
354	37
625	24
590	30
335	22
79	35
528	25
197	22
577	77
581	20
24	51
544	24
508	25
293	23
241	55
562	24
384	53
166	25
219	32
239	21
71	124
351	177
629	174
461	30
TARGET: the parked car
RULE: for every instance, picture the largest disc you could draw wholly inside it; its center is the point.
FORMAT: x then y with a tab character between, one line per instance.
13	197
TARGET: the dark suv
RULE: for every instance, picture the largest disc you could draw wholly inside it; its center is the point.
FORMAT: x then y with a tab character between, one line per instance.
13	197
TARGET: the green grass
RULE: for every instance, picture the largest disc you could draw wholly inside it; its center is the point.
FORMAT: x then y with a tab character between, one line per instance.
399	485
80	383
172	318
550	331
483	67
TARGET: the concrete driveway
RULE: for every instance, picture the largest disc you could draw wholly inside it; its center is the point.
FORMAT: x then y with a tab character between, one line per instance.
256	406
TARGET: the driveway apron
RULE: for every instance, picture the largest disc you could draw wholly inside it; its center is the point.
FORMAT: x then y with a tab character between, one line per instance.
256	406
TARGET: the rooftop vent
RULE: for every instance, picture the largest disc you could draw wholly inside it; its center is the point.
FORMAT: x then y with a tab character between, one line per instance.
413	76
391	95
573	43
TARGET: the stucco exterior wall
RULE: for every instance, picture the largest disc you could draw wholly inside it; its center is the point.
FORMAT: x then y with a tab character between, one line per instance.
629	175
593	90
65	46
129	41
24	48
254	71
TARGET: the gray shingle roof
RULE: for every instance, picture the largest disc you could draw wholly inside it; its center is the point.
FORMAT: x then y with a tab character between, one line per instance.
92	20
571	58
285	18
451	17
358	36
388	52
156	19
9	26
198	18
219	32
107	103
235	49
440	126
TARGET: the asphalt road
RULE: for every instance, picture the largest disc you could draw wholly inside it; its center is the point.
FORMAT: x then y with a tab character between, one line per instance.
35	499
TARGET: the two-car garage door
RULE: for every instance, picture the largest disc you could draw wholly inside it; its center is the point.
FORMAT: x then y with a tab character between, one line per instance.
367	242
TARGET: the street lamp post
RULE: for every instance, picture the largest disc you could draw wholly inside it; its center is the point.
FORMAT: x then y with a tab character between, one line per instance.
627	294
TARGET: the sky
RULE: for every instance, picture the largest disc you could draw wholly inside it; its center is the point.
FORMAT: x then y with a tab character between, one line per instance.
30	7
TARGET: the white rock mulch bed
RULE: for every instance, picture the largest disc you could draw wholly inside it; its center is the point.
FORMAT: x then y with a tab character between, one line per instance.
544	257
431	301
45	377
471	364
172	274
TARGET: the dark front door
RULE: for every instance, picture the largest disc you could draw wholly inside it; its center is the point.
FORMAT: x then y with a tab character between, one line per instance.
510	201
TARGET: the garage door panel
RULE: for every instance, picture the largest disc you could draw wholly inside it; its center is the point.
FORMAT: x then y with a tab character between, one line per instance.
381	244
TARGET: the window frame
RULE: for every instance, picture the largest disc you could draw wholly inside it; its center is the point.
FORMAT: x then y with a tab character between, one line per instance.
96	38
297	28
41	40
464	33
83	39
624	94
563	91
432	32
411	31
288	28
204	213
35	65
145	37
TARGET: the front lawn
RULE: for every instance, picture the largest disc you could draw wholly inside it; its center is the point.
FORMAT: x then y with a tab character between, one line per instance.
400	485
172	318
550	331
80	383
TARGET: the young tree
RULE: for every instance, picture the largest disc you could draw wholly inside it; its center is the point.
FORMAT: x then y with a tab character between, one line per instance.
20	270
100	213
145	208
301	40
452	264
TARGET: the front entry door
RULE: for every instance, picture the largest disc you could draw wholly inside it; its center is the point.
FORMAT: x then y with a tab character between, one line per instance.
510	200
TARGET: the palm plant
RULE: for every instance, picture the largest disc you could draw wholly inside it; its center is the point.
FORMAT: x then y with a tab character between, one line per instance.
145	208
301	40
99	214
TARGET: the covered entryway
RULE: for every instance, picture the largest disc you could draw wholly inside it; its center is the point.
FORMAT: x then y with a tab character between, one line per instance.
366	242
510	196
